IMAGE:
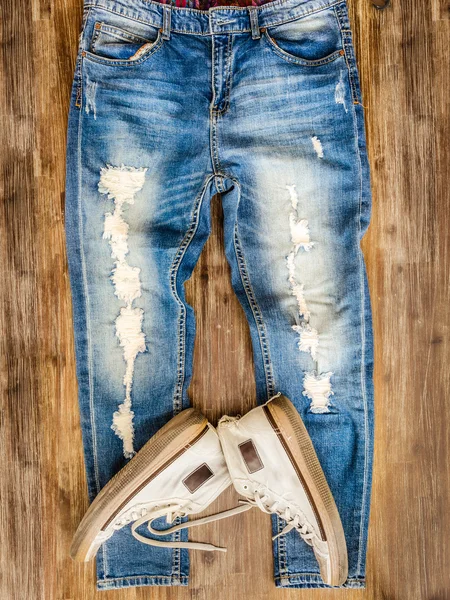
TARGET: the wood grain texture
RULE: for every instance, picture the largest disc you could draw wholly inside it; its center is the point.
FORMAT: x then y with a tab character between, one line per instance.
404	65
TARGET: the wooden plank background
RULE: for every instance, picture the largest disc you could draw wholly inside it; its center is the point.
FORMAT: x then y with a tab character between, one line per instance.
403	55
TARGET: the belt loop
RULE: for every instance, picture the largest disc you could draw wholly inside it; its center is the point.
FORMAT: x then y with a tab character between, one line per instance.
167	13
253	12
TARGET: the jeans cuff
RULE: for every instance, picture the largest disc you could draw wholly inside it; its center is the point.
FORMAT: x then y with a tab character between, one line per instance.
313	580
141	580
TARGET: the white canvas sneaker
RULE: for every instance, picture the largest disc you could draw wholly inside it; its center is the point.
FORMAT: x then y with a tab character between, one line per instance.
273	464
178	472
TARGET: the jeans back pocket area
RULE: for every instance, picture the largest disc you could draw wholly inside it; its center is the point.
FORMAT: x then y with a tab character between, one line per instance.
310	40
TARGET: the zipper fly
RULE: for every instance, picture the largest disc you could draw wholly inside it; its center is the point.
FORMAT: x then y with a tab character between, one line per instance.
221	71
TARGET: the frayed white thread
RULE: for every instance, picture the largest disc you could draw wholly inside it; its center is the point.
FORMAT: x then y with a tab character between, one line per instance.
299	228
132	340
317	387
293	195
300	237
317	146
296	288
308	338
298	292
127	284
300	233
339	94
91	91
290	263
121	184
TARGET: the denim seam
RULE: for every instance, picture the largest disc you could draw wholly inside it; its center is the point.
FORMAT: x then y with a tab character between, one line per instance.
363	352
178	395
111	62
319	581
363	345
153	578
87	308
228	76
122	14
117	33
185	242
213	75
79	83
228	79
87	12
346	36
301	16
274	4
347	44
348	48
79	63
246	30
318	575
94	39
245	279
214	150
214	115
176	553
300	61
282	551
88	316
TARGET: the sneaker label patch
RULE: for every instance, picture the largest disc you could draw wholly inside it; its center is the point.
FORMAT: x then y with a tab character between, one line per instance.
198	477
251	457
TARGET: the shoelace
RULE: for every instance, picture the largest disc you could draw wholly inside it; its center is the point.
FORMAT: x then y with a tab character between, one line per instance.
295	520
172	512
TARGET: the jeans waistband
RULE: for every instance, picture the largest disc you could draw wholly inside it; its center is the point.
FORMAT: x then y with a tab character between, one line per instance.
222	19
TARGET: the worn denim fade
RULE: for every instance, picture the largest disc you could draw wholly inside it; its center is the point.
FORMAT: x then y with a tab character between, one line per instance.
262	104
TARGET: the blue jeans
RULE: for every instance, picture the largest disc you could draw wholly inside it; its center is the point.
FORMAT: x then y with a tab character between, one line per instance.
262	105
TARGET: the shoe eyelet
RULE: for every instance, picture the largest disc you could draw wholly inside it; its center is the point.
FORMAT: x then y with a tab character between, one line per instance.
245	487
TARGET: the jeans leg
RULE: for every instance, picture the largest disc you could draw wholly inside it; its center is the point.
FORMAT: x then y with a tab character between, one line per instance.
295	208
139	185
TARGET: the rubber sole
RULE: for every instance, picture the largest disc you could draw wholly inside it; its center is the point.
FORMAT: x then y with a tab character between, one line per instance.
161	450
296	441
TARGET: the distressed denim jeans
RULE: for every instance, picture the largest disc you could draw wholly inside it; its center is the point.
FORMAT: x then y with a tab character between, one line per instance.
261	104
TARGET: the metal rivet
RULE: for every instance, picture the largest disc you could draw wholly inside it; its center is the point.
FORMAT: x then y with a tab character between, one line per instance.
342	52
98	26
83	53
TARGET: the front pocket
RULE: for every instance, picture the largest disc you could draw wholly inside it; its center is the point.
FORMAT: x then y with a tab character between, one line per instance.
110	42
311	41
